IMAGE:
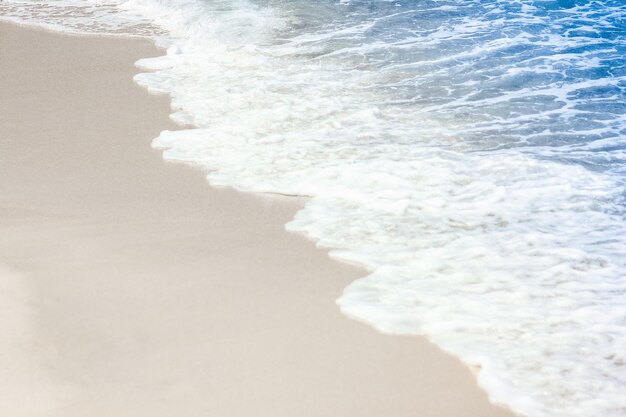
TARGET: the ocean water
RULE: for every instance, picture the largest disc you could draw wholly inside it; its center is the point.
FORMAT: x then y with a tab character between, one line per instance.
471	154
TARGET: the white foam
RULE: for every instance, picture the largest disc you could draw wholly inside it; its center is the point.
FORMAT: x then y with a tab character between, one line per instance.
87	17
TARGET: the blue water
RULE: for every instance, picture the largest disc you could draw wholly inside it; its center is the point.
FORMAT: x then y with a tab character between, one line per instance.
470	154
525	73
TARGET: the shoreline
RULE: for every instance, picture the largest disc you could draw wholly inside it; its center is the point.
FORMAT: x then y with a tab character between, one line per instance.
150	292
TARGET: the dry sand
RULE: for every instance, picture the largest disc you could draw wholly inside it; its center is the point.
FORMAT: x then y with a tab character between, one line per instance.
130	288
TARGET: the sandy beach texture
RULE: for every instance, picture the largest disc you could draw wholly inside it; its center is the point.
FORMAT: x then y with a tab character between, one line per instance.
130	288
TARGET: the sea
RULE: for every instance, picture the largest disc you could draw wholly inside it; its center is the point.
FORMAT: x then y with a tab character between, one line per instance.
470	154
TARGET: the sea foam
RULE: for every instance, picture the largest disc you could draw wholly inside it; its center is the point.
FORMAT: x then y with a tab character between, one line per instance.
470	155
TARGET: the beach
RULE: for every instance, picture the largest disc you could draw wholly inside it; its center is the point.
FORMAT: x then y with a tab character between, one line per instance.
130	287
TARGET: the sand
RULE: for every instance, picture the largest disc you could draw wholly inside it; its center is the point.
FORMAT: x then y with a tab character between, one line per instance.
130	288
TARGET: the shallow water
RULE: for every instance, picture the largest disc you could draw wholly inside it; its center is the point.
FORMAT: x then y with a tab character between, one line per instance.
471	154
